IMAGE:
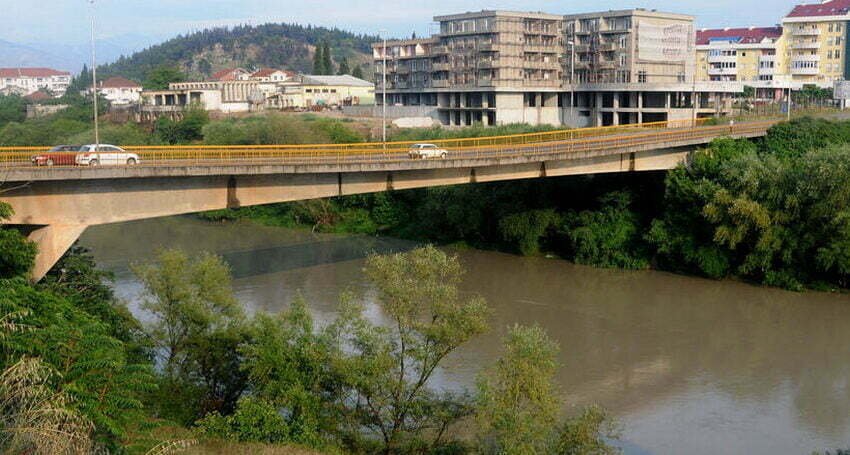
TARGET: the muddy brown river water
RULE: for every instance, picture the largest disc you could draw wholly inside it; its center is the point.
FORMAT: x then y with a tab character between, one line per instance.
686	365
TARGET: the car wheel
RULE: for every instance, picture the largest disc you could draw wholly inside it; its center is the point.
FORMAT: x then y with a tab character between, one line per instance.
443	155
93	163
131	161
49	162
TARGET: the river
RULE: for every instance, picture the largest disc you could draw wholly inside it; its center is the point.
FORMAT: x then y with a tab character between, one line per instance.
686	365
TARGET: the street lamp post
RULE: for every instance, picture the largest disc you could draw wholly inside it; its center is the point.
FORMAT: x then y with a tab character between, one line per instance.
572	44
94	80
384	90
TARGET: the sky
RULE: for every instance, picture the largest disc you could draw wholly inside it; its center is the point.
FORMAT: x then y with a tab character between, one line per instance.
149	21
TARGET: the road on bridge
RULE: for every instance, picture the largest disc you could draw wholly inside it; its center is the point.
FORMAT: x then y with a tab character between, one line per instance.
524	145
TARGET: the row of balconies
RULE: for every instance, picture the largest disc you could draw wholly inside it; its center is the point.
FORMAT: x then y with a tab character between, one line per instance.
806	31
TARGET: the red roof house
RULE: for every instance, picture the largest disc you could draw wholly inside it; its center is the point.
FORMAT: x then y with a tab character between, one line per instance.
751	35
830	8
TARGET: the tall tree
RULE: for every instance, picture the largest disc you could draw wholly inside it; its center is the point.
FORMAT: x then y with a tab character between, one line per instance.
327	62
358	72
318	61
159	77
343	66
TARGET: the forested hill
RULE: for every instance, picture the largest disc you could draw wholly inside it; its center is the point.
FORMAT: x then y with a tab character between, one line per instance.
286	46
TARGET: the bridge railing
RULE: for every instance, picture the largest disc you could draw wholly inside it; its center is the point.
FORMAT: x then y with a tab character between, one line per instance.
569	140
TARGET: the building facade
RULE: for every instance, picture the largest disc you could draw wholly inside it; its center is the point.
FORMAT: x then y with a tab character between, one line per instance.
30	80
753	56
817	42
500	67
120	91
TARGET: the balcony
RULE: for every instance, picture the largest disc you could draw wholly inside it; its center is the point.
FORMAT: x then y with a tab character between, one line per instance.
440	67
813	71
607	47
552	83
809	45
541	48
402	69
438	50
806	31
722	59
487	47
804	58
722	71
488	63
540	65
442	83
607	65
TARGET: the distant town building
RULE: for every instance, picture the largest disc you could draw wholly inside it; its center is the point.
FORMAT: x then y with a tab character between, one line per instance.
272	75
24	81
274	89
313	91
120	91
230	74
816	42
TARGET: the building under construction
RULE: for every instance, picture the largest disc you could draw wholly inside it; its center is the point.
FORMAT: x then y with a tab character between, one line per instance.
499	67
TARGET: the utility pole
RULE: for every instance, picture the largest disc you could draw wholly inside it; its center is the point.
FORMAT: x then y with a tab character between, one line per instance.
572	44
789	101
384	91
94	80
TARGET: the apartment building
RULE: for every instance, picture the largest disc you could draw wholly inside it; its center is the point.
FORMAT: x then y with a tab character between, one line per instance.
753	56
817	42
739	54
24	81
498	67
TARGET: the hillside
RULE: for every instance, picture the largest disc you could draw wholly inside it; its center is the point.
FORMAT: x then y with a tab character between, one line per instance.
286	46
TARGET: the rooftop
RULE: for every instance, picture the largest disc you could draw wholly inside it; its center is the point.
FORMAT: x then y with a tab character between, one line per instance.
828	8
345	79
228	74
31	72
266	72
118	82
750	35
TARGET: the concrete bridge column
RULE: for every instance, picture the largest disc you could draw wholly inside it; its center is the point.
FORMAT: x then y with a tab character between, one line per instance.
53	241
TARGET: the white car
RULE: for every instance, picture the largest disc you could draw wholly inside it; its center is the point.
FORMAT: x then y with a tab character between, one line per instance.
105	155
425	151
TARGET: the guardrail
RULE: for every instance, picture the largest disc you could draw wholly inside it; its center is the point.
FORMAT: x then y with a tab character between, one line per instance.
585	139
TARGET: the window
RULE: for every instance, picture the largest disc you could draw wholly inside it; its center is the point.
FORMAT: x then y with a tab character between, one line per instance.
830	28
829	55
642	76
837	54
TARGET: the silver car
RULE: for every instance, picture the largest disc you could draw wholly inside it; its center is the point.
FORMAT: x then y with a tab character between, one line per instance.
425	151
105	155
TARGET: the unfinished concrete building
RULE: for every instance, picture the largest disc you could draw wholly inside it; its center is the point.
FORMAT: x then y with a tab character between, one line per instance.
499	67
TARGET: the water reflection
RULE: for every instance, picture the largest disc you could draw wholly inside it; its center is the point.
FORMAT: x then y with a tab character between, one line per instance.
689	365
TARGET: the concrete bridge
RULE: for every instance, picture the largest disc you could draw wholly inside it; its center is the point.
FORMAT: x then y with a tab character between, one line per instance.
54	205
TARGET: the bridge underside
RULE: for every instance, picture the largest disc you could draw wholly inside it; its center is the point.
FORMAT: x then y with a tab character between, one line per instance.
56	212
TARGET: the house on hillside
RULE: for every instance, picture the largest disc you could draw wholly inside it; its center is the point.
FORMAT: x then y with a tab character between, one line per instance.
272	75
23	81
230	74
120	91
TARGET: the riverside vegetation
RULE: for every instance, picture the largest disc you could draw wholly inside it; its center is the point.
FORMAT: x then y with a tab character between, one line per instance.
79	374
774	211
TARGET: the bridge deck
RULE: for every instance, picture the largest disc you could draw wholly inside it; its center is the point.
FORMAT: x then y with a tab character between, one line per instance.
257	160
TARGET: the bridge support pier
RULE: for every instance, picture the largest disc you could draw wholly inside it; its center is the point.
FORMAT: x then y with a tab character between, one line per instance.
53	241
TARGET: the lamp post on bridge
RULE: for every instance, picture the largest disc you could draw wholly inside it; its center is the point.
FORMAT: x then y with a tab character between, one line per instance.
384	89
94	80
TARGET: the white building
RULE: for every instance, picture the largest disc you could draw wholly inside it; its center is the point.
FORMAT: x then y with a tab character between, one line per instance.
120	91
31	80
272	75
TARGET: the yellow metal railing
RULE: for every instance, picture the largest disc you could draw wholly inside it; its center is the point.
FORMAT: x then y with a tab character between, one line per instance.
560	141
